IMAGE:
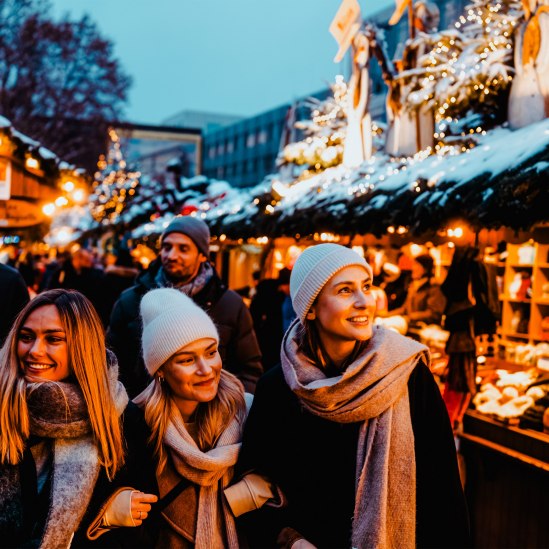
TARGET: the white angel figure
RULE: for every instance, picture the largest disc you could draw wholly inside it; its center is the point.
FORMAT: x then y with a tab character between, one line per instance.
529	96
358	141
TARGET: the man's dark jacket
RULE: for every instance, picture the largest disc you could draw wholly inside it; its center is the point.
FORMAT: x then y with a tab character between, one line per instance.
13	297
237	342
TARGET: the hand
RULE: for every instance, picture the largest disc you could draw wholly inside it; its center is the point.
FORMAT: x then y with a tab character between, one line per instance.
140	506
303	544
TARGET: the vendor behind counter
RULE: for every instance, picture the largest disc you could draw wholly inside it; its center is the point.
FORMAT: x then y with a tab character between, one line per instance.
425	302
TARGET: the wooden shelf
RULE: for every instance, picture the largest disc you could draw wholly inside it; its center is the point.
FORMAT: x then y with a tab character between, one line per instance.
533	310
521	335
515	300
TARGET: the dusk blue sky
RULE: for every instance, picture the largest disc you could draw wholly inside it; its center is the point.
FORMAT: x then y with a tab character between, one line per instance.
229	56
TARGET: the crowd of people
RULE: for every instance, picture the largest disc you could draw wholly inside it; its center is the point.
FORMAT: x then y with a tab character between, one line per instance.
145	421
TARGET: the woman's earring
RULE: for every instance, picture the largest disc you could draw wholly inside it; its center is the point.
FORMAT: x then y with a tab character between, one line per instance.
160	379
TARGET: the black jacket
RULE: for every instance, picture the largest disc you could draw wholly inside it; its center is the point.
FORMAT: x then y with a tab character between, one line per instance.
13	297
313	461
90	282
238	345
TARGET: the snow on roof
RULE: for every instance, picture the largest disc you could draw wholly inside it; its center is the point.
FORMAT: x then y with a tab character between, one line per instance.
506	172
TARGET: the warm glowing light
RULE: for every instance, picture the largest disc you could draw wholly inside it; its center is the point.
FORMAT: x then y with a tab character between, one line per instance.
32	163
48	209
61	201
79	196
68	186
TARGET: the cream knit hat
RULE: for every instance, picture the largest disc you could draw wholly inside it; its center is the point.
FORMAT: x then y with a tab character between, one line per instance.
313	268
171	320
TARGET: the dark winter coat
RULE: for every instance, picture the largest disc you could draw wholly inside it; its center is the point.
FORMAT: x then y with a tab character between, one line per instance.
138	472
117	279
90	282
266	311
237	342
313	461
13	297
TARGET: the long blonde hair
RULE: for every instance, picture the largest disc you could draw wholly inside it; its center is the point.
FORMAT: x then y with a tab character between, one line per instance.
87	363
211	417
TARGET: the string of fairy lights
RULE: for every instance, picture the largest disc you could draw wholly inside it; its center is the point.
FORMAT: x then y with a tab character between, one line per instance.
474	60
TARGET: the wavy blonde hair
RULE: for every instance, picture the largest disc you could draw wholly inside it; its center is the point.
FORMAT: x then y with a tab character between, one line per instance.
87	363
211	417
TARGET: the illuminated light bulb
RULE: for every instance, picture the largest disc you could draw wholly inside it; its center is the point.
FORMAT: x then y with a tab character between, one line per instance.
68	186
61	201
32	163
79	195
48	209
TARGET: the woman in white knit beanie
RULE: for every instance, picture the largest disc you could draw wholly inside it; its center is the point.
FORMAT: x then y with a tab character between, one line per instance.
196	411
351	427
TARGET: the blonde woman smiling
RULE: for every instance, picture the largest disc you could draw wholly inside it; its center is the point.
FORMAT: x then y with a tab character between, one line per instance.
196	411
65	426
351	426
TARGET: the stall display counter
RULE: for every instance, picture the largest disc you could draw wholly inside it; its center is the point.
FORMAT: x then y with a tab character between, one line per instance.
507	482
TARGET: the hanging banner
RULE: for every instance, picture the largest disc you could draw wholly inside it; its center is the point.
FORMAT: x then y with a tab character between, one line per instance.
5	179
400	8
345	25
19	213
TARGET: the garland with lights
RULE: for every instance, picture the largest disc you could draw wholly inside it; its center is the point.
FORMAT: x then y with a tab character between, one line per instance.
322	146
467	69
113	184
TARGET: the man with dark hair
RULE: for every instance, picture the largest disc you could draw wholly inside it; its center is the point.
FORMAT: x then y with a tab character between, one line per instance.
183	263
13	297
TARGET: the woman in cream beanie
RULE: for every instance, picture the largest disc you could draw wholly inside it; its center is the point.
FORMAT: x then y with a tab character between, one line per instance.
196	412
351	426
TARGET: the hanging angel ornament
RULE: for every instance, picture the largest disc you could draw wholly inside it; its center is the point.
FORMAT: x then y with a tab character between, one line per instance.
358	141
529	97
410	131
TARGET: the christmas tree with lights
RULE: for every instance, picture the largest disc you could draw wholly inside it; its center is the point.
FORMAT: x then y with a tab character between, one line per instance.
324	133
114	184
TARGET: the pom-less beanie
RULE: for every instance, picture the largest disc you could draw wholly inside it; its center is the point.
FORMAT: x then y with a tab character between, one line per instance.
313	268
194	228
171	320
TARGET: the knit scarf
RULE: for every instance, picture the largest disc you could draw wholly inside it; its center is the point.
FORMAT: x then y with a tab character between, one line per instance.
57	410
211	471
205	273
373	390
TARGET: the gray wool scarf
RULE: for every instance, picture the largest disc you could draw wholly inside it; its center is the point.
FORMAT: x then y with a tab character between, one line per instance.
211	471
57	410
372	390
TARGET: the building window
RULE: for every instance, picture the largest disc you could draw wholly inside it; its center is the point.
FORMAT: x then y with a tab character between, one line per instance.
262	137
211	152
230	147
250	140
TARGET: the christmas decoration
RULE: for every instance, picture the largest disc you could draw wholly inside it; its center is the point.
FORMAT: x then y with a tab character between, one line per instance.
114	183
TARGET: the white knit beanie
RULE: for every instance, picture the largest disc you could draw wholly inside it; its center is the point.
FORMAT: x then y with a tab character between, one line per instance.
313	268
171	320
